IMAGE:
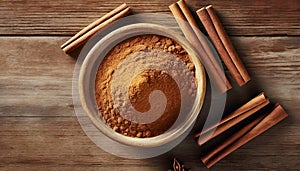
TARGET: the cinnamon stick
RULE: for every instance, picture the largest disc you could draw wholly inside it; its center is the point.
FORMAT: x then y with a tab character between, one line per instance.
209	27
192	38
274	117
205	159
227	125
253	103
227	44
87	32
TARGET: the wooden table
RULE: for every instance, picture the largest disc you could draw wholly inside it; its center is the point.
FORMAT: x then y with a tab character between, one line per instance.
38	127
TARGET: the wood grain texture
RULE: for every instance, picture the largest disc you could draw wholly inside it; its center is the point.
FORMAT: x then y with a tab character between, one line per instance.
36	77
60	143
39	130
66	17
35	81
38	127
274	65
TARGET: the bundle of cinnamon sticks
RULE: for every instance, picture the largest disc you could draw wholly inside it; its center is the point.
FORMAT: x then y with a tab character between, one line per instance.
220	40
247	132
192	33
86	33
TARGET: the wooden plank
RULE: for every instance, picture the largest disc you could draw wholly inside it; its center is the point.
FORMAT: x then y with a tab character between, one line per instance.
274	66
66	17
59	143
36	77
55	141
38	81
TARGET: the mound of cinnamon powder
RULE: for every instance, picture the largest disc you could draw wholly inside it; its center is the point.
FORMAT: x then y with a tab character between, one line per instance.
141	86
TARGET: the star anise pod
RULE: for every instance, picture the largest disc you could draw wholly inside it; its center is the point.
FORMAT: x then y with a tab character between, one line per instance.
178	167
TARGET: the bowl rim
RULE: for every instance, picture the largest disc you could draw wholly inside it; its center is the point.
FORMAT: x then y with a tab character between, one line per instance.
139	29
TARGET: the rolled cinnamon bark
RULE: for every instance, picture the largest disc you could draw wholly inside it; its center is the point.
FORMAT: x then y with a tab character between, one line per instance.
87	32
271	119
233	119
227	44
209	27
190	35
189	17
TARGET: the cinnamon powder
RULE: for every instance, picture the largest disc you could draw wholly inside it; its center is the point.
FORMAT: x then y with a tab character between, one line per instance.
141	86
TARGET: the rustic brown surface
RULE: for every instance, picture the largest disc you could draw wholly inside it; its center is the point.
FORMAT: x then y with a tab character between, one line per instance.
38	127
66	17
